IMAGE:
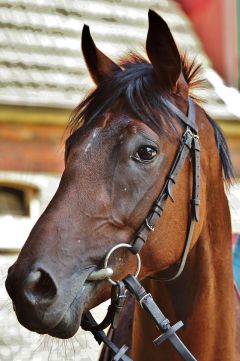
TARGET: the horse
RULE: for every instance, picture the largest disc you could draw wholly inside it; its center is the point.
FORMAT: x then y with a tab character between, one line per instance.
123	139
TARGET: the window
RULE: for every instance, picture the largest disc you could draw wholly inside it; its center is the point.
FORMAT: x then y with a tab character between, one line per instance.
13	201
23	196
17	200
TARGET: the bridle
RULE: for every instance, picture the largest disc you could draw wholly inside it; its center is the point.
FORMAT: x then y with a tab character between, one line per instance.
189	144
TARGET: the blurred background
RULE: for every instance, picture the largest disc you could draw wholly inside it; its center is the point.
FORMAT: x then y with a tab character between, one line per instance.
43	77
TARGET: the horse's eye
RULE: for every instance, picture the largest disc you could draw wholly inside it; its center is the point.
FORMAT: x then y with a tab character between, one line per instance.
145	153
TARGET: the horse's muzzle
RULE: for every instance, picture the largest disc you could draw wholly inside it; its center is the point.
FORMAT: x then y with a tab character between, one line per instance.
45	305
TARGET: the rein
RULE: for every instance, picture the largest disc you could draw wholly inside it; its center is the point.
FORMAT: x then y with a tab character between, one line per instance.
189	144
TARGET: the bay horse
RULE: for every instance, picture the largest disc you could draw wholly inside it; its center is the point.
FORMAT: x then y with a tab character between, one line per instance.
123	140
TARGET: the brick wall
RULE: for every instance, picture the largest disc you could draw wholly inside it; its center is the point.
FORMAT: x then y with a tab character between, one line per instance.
31	147
40	148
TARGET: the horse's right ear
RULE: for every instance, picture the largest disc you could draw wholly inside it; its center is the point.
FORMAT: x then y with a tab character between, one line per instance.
162	51
99	65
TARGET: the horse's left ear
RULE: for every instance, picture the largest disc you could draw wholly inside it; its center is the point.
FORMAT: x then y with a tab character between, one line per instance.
99	65
162	51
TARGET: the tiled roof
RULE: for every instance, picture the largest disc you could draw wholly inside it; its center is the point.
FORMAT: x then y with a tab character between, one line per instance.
40	59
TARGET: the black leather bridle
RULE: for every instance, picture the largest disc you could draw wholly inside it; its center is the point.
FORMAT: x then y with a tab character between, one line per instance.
189	144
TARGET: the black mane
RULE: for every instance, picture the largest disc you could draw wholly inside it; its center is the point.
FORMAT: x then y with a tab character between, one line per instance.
223	151
138	89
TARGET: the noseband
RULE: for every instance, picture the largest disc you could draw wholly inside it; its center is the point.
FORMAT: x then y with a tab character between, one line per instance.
189	144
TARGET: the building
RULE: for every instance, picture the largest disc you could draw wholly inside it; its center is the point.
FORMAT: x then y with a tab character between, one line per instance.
217	23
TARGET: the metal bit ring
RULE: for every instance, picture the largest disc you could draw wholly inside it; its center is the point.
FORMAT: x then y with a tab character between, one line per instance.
121	245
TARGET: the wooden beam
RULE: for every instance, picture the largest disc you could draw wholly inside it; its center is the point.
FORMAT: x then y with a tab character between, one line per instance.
57	116
231	128
33	115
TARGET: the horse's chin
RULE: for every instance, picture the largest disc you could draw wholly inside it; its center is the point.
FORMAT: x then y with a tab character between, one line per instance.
68	326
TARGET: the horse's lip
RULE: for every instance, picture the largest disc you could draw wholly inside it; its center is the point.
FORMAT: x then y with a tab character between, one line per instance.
60	330
65	329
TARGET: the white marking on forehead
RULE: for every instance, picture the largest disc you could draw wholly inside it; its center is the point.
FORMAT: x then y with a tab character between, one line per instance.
87	147
92	137
95	132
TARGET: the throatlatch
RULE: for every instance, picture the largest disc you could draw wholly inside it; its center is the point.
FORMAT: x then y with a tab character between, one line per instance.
189	145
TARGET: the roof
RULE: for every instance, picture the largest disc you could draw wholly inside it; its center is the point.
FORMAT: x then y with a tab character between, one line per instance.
40	60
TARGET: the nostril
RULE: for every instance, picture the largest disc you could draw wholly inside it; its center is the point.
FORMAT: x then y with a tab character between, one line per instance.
40	287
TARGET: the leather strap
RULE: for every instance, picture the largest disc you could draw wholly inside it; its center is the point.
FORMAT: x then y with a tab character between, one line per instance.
148	304
156	211
194	216
196	177
88	323
188	120
118	297
189	142
183	260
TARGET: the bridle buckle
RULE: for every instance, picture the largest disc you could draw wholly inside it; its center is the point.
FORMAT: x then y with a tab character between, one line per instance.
149	226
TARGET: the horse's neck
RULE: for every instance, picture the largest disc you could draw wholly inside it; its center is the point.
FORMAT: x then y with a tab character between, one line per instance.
202	297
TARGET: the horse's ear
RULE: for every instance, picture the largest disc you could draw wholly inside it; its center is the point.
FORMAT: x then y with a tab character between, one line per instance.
162	51
99	65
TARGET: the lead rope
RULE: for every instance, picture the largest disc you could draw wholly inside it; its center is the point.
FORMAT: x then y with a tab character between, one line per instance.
189	143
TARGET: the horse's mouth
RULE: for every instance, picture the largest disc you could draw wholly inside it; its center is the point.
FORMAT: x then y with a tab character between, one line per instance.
71	320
